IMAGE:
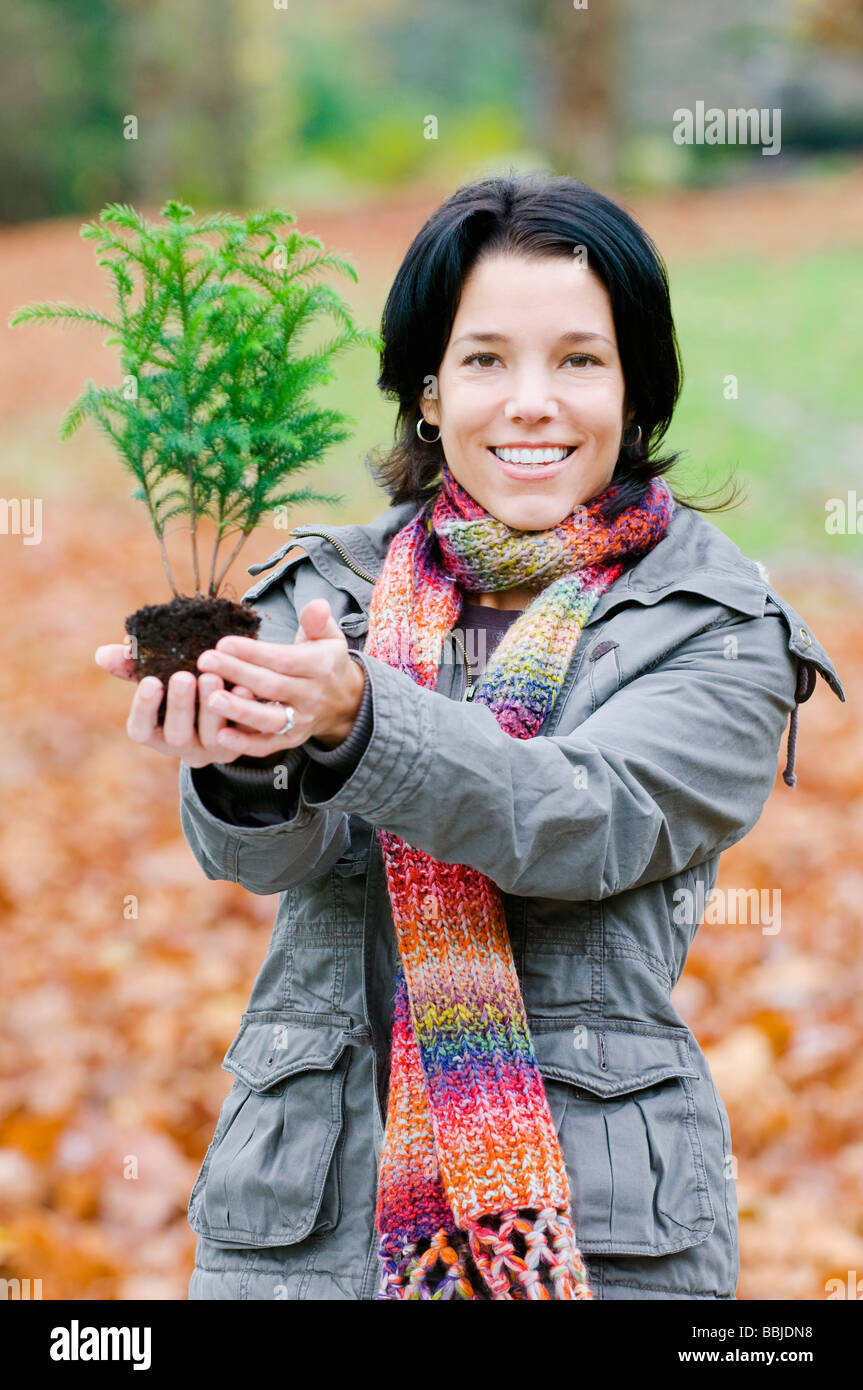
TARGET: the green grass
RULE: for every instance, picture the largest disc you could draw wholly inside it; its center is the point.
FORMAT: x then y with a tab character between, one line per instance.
788	331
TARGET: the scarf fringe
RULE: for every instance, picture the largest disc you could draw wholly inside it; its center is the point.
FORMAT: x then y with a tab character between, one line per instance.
518	1258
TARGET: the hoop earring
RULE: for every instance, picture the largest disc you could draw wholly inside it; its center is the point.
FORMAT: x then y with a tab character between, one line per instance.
420	422
631	443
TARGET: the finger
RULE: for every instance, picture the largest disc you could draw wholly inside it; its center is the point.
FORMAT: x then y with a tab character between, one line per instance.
262	666
141	723
115	659
245	694
277	656
257	715
210	720
263	681
253	745
317	621
178	729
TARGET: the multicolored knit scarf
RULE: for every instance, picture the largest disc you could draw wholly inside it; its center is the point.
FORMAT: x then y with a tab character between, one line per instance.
473	1198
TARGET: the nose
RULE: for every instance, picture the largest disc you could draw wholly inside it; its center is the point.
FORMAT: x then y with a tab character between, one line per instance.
531	401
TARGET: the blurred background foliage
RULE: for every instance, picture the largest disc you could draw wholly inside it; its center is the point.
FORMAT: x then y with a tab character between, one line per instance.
230	96
335	107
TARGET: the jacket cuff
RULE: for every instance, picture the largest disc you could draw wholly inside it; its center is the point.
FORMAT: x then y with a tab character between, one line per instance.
390	770
345	756
252	794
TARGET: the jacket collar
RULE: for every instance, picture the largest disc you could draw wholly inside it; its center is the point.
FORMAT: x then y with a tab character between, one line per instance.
694	556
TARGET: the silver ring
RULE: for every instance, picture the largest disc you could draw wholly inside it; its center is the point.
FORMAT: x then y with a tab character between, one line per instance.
290	716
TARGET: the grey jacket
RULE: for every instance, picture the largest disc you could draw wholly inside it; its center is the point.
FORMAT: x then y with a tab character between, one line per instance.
603	835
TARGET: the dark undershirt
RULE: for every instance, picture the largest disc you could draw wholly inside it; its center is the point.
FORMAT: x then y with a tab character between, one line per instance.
243	792
483	628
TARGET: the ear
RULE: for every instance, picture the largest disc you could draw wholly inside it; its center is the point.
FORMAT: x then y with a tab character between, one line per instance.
428	404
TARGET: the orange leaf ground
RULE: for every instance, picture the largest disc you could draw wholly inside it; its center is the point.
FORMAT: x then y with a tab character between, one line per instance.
113	1025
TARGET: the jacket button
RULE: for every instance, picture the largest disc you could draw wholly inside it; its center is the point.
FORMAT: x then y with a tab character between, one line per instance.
806	637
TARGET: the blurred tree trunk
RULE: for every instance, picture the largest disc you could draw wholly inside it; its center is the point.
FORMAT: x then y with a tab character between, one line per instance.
581	51
222	99
186	86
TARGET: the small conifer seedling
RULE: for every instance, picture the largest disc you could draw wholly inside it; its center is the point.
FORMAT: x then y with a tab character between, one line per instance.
213	416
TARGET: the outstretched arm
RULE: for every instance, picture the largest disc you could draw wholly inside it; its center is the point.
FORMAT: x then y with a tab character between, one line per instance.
673	768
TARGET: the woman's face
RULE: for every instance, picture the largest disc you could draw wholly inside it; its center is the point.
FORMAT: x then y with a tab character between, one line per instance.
531	359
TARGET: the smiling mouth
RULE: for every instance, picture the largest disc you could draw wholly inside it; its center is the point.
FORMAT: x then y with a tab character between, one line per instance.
539	458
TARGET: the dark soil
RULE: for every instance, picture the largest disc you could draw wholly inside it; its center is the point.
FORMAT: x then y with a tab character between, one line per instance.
170	637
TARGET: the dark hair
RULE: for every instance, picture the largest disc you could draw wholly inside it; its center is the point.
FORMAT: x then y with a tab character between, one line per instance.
533	214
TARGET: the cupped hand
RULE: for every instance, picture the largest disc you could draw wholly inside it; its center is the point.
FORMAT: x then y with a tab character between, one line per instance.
178	736
314	675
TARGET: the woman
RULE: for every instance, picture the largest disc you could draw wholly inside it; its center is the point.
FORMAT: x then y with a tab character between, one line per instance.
460	1073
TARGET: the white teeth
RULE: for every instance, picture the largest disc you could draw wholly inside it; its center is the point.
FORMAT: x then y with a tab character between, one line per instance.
531	455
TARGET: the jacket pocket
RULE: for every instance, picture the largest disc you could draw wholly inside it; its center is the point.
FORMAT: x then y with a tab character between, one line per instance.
355	860
271	1175
624	1108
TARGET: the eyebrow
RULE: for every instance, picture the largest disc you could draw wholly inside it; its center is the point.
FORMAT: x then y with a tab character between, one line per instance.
576	336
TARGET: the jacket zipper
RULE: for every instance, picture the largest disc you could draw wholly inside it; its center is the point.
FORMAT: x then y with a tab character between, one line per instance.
470	686
340	548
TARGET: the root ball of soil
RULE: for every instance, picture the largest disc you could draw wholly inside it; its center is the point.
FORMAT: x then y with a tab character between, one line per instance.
169	637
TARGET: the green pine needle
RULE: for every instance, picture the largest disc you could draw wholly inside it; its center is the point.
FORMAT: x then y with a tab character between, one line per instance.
214	415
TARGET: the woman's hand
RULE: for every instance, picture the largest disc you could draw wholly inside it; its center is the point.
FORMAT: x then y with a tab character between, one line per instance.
314	675
198	747
321	682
